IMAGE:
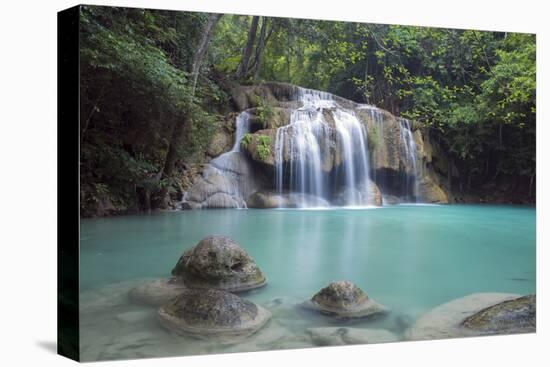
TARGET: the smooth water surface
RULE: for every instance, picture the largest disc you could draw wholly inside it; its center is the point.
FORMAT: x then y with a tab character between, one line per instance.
410	258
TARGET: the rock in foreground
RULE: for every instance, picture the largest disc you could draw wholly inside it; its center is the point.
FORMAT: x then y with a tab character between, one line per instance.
477	314
207	314
518	315
344	299
217	262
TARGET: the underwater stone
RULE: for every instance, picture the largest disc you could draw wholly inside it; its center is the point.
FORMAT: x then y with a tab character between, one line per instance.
514	316
217	262
157	292
344	299
328	336
477	314
209	313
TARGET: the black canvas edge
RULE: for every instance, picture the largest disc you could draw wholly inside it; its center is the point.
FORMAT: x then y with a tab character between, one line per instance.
68	185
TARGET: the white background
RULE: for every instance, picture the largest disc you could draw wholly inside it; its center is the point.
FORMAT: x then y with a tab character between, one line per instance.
28	180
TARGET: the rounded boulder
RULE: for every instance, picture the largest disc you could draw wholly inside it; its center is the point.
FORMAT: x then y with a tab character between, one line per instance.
344	299
209	313
217	262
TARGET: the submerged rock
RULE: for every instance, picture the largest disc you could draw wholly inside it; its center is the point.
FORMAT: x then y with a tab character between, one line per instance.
344	299
157	292
328	336
132	317
514	316
217	262
206	314
477	314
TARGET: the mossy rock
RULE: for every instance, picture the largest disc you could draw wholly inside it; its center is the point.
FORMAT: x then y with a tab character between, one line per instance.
217	262
512	316
343	299
260	146
207	314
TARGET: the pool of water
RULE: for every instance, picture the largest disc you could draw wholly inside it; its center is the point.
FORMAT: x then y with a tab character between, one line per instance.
410	258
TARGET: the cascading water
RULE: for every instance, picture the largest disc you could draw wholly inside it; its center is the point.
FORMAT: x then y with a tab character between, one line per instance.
226	172
352	136
305	141
408	149
321	157
242	127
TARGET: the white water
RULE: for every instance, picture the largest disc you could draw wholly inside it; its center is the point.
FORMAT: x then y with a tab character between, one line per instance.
305	141
321	156
352	134
242	127
226	169
408	148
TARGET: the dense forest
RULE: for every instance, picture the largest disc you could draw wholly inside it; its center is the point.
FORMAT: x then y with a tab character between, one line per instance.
155	84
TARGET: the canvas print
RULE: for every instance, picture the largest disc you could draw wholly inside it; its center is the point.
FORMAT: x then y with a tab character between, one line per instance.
251	183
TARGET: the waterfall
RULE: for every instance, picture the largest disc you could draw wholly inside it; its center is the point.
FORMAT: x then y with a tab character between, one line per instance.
301	147
352	137
242	127
408	151
227	172
319	157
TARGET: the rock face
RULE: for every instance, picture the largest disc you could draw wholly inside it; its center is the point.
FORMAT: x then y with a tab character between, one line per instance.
222	184
370	195
207	314
344	299
217	262
329	336
157	292
518	315
477	314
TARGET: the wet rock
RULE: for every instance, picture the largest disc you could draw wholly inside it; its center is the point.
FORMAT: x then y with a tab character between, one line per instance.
390	200
344	299
276	118
223	184
430	192
329	336
210	313
477	314
365	194
514	316
267	199
157	292
261	147
220	142
217	262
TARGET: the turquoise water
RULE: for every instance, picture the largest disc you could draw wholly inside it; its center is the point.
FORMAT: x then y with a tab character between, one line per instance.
410	258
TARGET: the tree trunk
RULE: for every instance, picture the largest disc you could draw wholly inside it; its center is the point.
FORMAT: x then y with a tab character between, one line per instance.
181	122
202	47
175	140
260	49
247	51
